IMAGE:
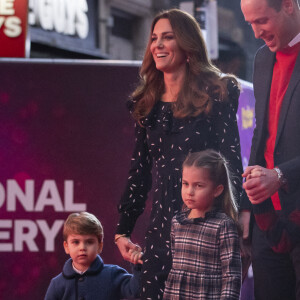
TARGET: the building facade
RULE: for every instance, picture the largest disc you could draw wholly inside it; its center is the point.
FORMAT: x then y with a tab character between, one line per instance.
105	29
119	29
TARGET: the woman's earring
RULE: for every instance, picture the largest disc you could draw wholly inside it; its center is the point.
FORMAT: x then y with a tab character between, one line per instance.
188	60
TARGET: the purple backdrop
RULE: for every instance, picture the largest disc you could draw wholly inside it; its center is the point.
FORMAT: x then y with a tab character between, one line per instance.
66	139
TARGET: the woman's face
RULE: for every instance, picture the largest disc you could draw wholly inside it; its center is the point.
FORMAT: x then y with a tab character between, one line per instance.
167	55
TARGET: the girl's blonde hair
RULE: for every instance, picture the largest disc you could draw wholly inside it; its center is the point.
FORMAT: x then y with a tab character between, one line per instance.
216	164
203	81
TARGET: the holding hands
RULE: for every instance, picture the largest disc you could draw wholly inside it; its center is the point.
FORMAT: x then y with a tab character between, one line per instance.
260	184
130	251
136	255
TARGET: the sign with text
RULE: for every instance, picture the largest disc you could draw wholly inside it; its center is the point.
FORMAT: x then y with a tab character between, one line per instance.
69	25
66	139
13	28
60	139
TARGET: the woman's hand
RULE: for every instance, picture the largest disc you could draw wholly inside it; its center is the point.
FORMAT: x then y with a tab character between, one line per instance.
130	251
136	255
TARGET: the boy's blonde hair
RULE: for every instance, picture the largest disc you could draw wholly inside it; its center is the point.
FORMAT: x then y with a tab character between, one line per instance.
83	223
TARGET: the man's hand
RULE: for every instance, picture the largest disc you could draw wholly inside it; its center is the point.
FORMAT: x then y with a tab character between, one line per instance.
261	183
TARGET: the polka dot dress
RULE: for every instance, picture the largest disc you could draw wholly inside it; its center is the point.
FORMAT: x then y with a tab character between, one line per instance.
161	145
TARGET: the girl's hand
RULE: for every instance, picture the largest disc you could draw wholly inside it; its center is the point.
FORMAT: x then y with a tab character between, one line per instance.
125	245
244	221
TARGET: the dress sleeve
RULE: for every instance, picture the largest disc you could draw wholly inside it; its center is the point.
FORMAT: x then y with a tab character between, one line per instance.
230	261
227	139
139	183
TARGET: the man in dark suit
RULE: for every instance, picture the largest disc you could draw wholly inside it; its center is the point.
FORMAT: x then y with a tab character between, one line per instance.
272	186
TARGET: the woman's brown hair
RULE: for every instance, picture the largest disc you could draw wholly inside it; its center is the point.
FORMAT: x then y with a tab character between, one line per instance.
203	82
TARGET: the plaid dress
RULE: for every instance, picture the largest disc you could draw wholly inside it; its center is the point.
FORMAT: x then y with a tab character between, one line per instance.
206	258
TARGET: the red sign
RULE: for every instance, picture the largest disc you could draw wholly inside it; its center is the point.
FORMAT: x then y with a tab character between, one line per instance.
13	28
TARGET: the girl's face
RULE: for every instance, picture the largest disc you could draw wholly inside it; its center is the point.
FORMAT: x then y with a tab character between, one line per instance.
167	55
83	249
198	191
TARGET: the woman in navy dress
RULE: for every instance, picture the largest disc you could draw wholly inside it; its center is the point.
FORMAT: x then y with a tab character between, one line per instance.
183	104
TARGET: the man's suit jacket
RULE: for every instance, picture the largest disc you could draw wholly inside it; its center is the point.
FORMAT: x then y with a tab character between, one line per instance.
287	145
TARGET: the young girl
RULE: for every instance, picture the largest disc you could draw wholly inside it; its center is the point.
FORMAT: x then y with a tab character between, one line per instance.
204	236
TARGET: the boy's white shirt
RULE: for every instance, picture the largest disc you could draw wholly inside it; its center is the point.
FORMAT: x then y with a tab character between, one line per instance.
77	271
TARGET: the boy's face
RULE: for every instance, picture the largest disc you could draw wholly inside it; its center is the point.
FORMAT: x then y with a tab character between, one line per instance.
83	249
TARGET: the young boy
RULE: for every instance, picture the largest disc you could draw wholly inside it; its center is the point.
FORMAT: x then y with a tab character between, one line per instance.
84	275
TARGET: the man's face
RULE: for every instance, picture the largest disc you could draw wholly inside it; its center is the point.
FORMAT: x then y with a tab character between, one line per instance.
274	27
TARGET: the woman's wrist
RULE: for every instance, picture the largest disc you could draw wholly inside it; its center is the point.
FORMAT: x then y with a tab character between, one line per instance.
118	236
